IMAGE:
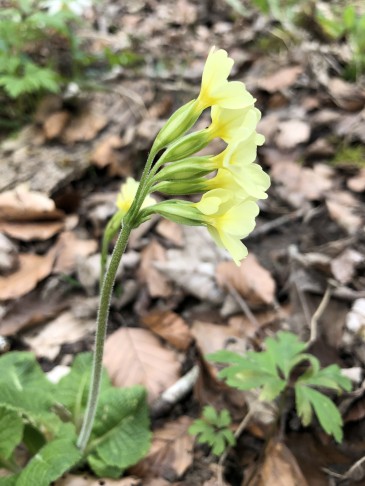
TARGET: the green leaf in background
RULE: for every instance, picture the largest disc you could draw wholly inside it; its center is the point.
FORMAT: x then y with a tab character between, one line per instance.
284	350
11	431
25	388
9	480
329	377
73	389
326	411
52	460
121	435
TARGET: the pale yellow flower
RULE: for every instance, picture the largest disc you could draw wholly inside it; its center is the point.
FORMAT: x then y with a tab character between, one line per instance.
216	90
127	194
233	125
228	220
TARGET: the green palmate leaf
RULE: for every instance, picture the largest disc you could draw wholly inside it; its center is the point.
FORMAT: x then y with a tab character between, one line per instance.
9	480
11	431
24	388
284	351
121	435
326	411
329	377
73	389
51	461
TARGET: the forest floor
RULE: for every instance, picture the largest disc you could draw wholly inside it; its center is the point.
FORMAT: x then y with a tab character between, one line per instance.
178	297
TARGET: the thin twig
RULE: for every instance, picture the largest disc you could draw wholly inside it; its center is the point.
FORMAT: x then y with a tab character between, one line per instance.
318	314
244	306
276	223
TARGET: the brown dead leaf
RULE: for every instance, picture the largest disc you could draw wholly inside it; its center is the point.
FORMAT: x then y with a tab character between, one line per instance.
32	269
342	208
280	468
171	452
136	356
171	231
280	80
66	328
21	204
357	183
344	266
8	255
69	249
84	480
170	326
250	279
84	127
31	231
350	97
104	153
292	133
213	337
158	285
55	123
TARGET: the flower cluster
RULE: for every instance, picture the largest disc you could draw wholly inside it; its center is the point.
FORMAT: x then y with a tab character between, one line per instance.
230	182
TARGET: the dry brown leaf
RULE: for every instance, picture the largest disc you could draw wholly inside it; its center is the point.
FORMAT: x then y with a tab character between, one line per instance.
21	204
171	452
357	183
350	97
136	356
344	266
104	153
280	468
8	255
292	133
70	249
171	231
47	341
84	480
342	208
158	285
84	127
32	269
250	279
55	123
281	79
213	337
170	326
31	231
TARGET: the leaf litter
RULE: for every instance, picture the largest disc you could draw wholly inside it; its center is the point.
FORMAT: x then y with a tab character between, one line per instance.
177	297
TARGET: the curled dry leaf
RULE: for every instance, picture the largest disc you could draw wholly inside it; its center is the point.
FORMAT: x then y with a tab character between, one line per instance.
21	204
171	452
250	279
136	356
171	231
350	97
47	342
104	152
32	269
213	337
342	207
53	126
69	249
84	127
279	468
170	326
158	285
292	133
282	79
344	266
31	231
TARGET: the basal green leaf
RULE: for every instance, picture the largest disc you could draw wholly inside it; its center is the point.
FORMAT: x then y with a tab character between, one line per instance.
210	414
329	377
103	470
11	431
283	349
121	435
326	411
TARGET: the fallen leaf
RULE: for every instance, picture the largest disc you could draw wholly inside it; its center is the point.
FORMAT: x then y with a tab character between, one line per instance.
170	326
47	341
84	127
350	97
250	279
171	231
344	266
55	123
342	208
171	452
213	337
157	283
280	80
104	152
85	480
136	356
31	231
292	133
69	249
8	255
21	204
357	183
32	269
279	468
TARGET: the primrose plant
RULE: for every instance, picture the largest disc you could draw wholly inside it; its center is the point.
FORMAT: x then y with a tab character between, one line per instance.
84	420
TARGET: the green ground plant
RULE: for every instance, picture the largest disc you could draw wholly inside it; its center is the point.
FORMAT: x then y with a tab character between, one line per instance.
45	419
274	372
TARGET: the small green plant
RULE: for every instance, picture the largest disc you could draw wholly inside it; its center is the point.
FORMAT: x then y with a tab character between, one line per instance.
45	419
272	372
213	429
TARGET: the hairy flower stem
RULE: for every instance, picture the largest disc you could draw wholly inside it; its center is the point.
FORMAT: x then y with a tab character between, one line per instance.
102	321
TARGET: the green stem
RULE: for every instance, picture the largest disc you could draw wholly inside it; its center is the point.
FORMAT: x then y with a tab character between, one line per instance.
102	321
